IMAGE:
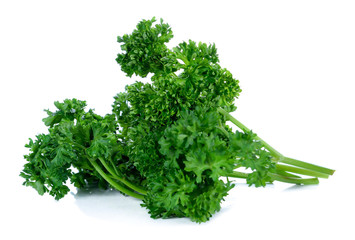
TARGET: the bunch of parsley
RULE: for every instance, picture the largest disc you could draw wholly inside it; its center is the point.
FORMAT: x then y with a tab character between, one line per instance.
165	142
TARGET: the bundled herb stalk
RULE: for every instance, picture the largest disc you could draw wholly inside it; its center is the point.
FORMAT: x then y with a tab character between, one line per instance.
165	142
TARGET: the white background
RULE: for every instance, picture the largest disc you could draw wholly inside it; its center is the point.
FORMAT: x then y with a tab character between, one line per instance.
296	64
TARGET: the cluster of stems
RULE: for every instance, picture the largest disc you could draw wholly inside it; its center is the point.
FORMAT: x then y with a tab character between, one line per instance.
287	169
116	181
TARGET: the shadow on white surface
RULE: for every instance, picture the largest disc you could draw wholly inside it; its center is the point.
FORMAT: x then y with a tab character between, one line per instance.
107	204
111	205
301	187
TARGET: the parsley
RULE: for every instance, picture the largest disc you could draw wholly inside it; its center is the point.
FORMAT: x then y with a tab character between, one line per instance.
165	142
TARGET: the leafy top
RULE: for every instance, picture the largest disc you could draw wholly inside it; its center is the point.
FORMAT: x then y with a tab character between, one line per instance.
145	49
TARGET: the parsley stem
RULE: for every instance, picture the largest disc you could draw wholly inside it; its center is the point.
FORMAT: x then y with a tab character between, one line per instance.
274	152
237	174
302	171
124	181
286	174
304	181
183	58
306	165
280	178
223	130
115	184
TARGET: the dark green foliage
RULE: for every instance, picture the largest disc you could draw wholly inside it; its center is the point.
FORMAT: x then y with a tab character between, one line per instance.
177	194
75	138
172	128
198	153
189	183
48	166
165	136
166	141
145	49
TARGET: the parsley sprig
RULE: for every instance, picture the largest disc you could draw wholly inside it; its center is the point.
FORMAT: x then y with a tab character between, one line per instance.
166	142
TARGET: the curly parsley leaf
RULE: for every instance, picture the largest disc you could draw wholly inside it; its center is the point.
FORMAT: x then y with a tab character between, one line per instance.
144	51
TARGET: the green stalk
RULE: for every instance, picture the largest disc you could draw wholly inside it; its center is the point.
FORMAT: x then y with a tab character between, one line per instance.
124	181
286	174
280	178
223	130
302	171
115	184
304	181
183	58
306	165
236	174
274	152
